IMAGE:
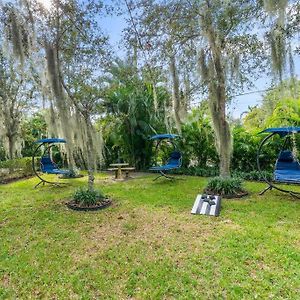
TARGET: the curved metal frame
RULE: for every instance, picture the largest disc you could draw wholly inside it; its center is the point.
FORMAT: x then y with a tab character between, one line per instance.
42	180
270	184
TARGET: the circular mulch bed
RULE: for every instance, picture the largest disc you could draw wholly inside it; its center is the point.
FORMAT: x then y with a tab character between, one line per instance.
77	176
101	205
240	194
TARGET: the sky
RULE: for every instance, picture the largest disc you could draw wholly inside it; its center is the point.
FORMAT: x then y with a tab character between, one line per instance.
114	25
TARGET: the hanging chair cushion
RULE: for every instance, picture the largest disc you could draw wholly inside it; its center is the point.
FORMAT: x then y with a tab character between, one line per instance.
49	167
287	176
286	156
56	171
174	162
287	168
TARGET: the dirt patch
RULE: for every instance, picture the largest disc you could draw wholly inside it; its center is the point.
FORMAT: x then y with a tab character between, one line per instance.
153	230
3	222
5	280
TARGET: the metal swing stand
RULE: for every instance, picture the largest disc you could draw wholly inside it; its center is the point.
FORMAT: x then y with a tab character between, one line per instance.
283	132
162	174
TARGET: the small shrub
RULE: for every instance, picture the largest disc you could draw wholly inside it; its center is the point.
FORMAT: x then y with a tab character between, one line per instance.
22	166
86	197
225	186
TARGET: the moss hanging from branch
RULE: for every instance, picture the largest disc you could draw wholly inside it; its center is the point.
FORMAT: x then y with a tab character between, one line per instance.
277	35
273	6
61	101
278	52
17	33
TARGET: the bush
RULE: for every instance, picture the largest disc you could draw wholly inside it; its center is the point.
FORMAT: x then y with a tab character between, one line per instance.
22	166
86	197
255	175
198	171
197	143
225	186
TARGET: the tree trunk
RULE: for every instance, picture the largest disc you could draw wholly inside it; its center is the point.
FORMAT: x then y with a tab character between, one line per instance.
186	99
217	96
175	92
90	157
222	134
11	150
11	147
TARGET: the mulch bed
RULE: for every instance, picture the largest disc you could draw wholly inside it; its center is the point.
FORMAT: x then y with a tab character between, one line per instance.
14	179
101	205
77	176
240	194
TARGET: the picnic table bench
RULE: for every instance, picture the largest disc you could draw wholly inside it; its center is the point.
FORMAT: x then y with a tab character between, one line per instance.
119	167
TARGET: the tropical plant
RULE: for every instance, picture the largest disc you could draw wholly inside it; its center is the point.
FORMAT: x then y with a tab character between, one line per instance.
197	143
131	118
86	197
225	186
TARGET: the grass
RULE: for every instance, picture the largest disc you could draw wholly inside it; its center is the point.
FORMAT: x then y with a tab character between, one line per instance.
147	245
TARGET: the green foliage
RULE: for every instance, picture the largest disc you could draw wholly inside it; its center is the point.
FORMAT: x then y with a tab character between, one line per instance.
198	171
86	197
245	146
32	129
225	185
254	175
131	117
197	141
280	107
23	166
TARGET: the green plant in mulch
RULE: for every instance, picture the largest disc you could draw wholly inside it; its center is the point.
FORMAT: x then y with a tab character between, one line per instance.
88	199
228	187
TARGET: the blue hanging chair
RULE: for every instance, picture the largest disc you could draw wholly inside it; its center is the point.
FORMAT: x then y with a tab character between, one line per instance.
175	159
47	165
287	167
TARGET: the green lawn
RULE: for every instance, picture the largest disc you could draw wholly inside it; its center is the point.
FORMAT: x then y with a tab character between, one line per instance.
147	245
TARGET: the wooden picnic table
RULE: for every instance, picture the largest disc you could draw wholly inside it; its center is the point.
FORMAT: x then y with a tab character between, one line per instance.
118	168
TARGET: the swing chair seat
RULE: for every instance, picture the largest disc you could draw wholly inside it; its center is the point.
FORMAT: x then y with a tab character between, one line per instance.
287	168
56	171
49	167
287	176
166	167
173	163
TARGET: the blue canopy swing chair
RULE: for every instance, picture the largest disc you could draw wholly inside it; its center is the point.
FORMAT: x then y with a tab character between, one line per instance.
47	165
175	159
287	167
